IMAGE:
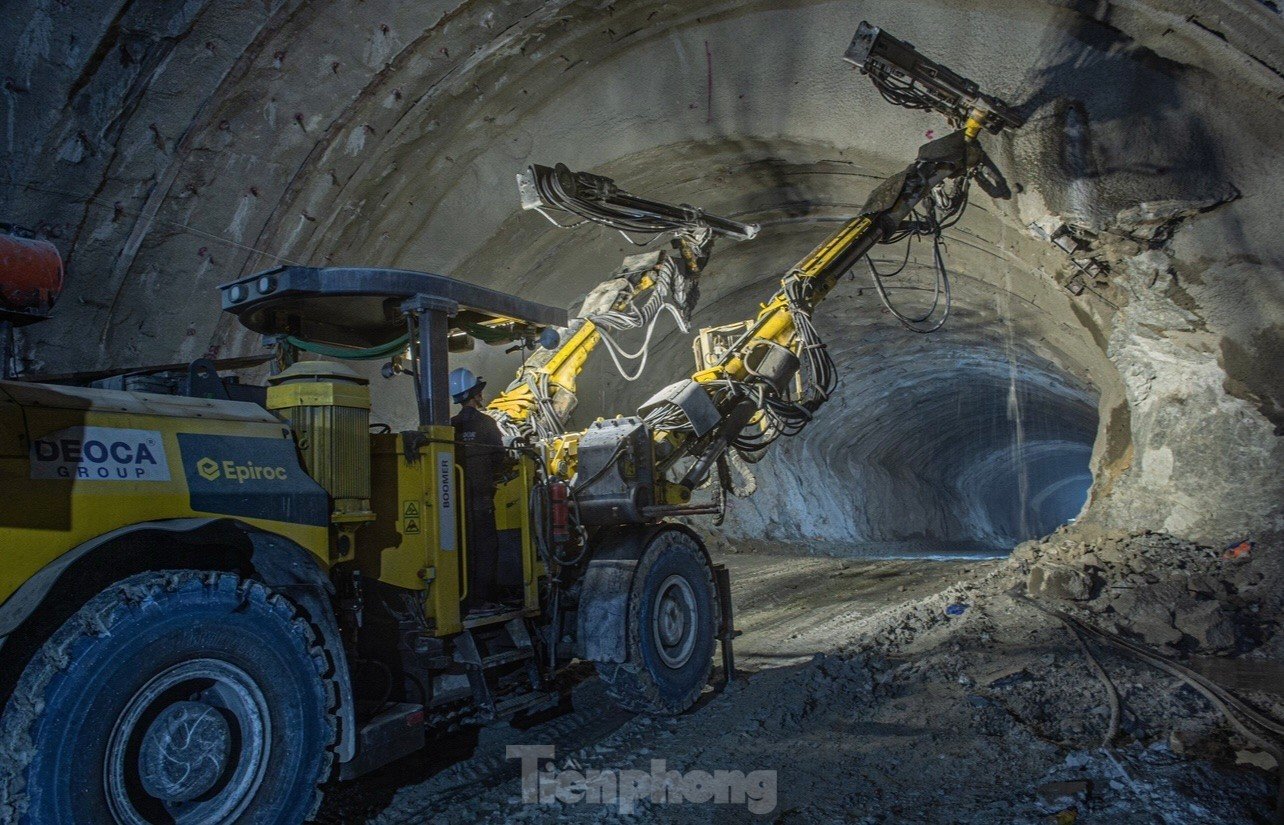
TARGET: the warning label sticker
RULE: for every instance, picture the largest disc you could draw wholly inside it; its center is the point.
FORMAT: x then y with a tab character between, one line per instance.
410	517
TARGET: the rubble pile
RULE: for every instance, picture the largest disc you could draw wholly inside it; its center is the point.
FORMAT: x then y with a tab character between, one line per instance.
1176	596
1015	666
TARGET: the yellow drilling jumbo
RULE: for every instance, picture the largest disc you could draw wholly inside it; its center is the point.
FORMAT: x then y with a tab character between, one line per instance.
215	596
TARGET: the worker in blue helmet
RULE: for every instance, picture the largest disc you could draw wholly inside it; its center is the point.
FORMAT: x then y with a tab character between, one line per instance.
482	447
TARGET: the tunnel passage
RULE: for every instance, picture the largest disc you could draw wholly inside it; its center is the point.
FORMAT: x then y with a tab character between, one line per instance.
966	440
204	140
944	442
948	448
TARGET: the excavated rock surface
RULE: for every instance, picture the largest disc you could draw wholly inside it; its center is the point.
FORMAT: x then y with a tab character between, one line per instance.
1175	596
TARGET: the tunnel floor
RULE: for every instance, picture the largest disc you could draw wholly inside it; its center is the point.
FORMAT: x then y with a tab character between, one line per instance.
879	691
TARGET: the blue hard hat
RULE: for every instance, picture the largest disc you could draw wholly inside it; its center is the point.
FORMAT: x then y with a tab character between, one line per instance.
463	384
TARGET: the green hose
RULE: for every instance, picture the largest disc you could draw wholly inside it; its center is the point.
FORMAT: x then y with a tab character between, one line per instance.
485	334
349	354
482	333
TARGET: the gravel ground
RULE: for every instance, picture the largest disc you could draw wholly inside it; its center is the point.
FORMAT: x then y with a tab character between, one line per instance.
901	691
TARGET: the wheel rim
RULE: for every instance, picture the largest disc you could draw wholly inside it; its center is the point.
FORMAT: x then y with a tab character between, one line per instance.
673	621
191	746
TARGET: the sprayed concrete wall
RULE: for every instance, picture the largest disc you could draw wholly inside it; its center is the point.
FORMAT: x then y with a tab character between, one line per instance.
168	147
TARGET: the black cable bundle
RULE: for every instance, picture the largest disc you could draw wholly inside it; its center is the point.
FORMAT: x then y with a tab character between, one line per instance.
551	190
951	203
907	93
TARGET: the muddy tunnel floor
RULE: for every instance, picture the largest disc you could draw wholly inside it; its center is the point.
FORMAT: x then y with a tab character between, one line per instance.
900	691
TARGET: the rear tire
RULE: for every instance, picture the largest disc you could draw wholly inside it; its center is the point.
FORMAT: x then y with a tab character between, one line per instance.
672	623
176	696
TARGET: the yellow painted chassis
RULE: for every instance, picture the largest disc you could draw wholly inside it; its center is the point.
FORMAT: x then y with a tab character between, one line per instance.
414	542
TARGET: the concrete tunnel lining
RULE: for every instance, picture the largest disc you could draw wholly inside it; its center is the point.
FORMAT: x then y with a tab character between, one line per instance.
398	147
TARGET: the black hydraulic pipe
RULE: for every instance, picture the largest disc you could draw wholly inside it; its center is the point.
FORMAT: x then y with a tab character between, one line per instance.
720	225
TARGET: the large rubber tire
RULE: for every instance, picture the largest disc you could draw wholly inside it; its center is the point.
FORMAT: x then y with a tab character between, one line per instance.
201	689
669	660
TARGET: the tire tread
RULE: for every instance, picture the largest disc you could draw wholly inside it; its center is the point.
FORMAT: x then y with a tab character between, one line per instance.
629	683
96	619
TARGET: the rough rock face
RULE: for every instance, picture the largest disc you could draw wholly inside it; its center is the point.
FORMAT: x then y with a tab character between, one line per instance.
1056	582
169	147
1194	443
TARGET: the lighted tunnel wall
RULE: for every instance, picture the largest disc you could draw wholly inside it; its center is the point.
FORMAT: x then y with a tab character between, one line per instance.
170	147
939	465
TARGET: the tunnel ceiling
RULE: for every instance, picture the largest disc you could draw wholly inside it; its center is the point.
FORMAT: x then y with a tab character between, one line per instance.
168	148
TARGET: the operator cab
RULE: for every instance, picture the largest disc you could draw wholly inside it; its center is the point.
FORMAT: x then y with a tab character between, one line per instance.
385	313
411	320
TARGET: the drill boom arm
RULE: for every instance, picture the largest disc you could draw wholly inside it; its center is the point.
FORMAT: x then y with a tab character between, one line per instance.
600	200
804	287
540	400
750	394
542	397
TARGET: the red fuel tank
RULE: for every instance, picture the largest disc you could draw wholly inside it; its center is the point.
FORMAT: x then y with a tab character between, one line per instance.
31	276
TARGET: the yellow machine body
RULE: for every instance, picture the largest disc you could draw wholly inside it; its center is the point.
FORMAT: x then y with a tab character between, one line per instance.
418	539
328	406
78	464
168	457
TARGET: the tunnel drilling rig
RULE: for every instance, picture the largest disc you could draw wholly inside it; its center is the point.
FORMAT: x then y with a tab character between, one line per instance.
211	597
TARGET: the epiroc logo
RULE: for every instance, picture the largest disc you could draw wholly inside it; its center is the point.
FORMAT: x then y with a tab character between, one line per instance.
208	468
251	477
100	454
211	470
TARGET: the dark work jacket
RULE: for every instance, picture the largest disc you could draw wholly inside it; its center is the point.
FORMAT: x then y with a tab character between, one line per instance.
483	456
